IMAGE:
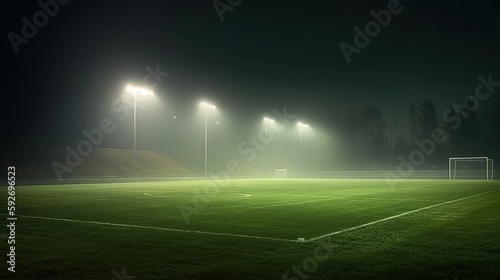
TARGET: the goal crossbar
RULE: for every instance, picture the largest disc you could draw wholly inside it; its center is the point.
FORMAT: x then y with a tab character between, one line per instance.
280	173
452	166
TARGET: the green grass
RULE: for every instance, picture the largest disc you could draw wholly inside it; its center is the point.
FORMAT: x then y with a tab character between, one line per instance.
458	240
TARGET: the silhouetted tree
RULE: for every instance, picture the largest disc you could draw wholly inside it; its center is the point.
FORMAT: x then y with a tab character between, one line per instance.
426	120
356	136
423	121
371	128
412	121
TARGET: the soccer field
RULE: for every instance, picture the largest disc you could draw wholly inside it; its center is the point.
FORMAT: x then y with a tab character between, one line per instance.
257	229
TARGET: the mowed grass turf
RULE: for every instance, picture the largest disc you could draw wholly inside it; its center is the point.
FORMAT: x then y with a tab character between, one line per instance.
248	229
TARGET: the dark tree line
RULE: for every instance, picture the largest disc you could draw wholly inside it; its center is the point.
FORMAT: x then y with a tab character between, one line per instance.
465	134
356	139
360	138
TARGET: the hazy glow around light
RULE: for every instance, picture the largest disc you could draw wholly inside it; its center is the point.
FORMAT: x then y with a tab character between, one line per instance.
302	124
138	90
268	119
207	105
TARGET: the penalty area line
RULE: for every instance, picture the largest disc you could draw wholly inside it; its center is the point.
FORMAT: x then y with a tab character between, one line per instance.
158	228
396	216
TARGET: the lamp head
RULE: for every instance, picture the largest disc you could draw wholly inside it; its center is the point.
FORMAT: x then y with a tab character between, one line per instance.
138	90
207	105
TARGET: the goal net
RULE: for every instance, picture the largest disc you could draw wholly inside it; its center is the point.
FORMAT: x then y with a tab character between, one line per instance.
470	168
280	173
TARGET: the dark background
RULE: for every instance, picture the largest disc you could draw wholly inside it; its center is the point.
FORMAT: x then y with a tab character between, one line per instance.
264	55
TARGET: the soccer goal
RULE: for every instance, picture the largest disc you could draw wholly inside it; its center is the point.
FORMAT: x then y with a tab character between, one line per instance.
470	168
280	173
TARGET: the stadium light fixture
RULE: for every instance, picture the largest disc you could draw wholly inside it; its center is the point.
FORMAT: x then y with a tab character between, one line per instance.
136	91
267	121
206	106
301	125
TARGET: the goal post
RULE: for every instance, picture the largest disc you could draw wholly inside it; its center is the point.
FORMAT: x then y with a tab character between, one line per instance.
472	168
280	173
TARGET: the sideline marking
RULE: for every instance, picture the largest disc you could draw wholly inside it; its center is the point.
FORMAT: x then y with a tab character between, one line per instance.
395	199
395	216
158	228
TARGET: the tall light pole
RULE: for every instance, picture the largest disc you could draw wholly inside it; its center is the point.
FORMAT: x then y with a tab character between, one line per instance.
267	120
301	125
135	91
206	106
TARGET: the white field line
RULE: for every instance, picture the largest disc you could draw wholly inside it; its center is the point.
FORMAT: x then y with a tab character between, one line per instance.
157	228
363	198
238	194
305	195
396	216
395	199
154	195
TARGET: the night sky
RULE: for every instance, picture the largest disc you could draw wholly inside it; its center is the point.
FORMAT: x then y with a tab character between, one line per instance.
263	55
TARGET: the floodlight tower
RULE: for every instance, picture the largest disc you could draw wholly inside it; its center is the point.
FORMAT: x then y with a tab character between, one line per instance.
206	107
301	125
267	120
136	91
